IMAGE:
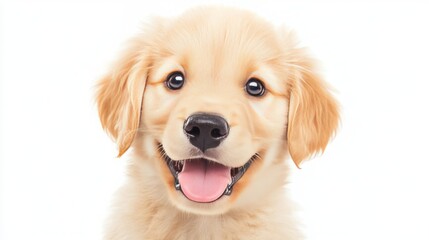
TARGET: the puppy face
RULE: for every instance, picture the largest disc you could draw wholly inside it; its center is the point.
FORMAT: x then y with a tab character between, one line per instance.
216	99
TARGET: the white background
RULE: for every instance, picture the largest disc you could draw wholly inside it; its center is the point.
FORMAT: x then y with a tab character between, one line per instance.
58	168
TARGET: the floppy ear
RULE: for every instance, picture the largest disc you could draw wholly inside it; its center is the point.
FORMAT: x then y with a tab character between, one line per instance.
313	114
120	94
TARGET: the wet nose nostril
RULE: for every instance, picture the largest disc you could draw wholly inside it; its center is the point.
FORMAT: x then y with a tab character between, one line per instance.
195	132
215	133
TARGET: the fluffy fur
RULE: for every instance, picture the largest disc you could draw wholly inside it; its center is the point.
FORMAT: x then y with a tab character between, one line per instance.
218	50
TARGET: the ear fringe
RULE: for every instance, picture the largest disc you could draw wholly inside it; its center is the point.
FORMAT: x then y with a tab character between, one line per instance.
119	96
313	115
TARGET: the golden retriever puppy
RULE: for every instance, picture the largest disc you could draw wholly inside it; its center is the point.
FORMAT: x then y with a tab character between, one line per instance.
210	105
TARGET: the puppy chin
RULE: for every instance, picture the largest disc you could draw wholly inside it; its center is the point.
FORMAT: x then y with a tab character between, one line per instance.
220	206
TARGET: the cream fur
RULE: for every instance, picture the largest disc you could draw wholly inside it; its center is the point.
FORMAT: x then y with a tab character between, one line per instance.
217	49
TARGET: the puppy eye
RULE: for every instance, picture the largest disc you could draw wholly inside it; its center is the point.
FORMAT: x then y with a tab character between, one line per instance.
255	87
175	81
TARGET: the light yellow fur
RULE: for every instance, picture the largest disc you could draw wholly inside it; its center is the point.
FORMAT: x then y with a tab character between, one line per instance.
218	49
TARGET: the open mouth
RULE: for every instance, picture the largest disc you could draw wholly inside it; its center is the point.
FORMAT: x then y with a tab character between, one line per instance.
202	180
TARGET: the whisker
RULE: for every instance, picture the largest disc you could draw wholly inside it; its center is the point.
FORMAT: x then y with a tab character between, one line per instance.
162	152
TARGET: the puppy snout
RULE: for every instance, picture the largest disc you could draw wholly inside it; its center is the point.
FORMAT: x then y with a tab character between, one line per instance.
205	130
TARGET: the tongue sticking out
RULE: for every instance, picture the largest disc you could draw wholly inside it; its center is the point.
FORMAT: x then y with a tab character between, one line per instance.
204	181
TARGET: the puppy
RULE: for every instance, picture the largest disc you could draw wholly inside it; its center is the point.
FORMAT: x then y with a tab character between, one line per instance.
209	106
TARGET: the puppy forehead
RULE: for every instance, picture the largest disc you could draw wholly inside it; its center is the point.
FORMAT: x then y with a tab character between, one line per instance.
221	34
219	46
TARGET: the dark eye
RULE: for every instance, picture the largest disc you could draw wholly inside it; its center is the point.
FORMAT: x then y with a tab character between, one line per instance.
175	81
255	87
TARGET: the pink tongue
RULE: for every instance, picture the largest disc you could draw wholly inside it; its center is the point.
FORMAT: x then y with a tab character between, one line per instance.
204	181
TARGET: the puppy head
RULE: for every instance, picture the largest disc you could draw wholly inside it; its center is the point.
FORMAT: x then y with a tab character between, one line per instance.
226	97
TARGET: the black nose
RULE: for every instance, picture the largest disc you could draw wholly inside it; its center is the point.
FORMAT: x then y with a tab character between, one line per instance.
205	130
